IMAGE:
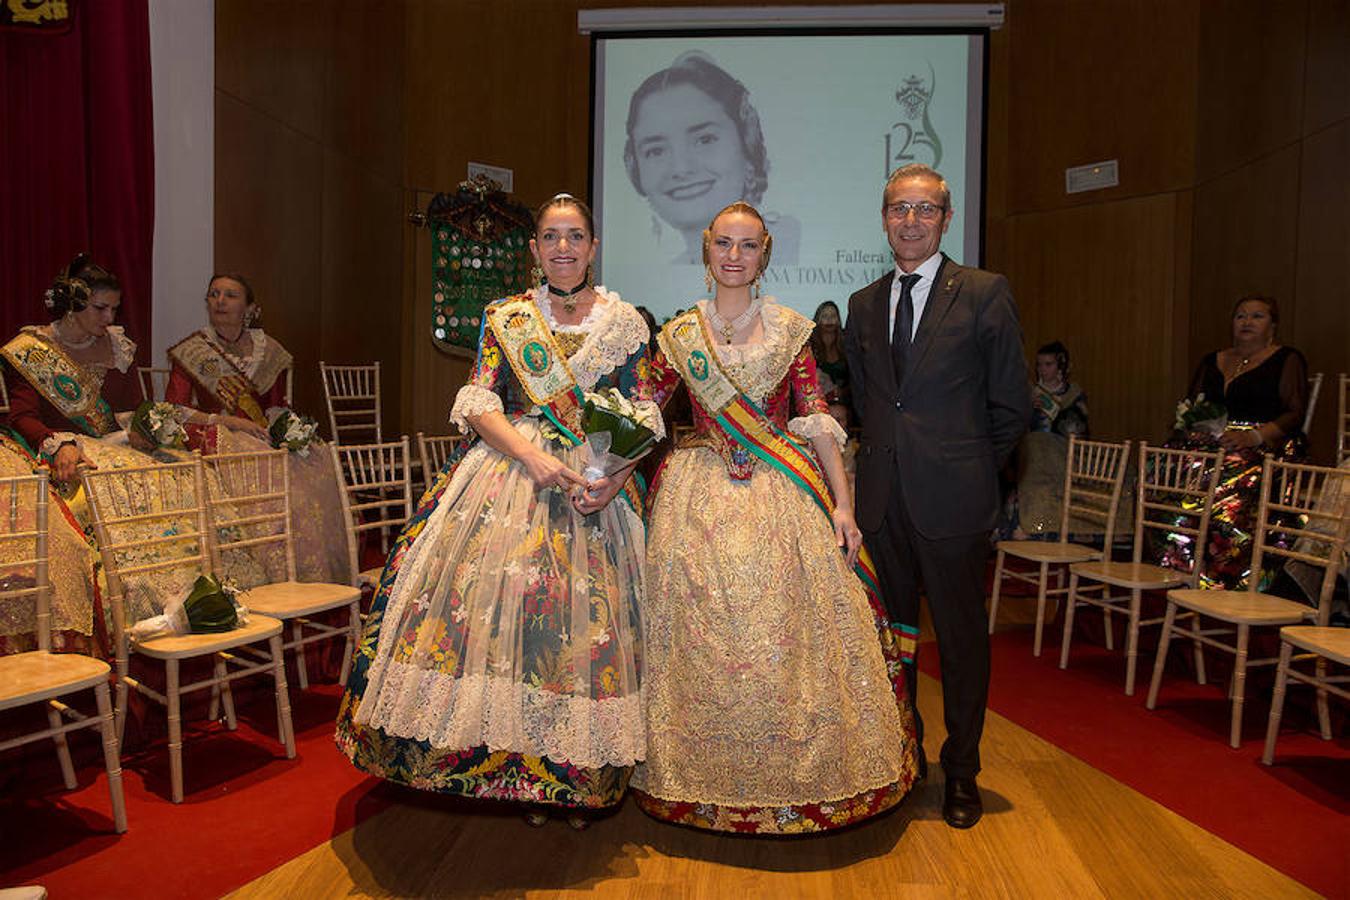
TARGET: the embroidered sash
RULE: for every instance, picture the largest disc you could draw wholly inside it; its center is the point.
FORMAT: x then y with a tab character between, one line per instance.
73	389
214	373
539	364
685	340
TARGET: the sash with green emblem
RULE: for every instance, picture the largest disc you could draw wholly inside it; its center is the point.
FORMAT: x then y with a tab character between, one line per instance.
74	390
685	342
541	367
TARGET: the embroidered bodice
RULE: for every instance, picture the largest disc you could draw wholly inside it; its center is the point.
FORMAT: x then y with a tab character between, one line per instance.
778	374
42	426
606	349
183	391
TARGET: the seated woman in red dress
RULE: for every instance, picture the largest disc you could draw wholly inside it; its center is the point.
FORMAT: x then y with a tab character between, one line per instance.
241	374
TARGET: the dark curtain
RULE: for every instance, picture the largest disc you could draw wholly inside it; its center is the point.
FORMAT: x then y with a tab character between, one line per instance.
77	169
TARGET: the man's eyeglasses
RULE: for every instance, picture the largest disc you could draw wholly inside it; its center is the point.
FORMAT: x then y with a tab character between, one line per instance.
925	211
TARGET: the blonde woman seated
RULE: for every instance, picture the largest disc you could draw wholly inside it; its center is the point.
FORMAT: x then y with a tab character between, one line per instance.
776	702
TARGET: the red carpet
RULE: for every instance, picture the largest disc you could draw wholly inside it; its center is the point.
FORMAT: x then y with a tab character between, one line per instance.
247	810
1292	815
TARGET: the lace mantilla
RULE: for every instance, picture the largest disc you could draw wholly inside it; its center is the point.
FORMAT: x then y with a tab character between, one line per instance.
616	330
473	400
818	424
759	368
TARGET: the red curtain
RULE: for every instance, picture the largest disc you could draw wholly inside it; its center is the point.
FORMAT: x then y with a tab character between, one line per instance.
77	168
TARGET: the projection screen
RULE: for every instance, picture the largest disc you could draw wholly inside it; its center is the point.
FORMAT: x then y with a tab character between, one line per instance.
805	125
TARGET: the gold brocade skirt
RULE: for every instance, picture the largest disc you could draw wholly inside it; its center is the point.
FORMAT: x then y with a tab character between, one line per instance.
766	686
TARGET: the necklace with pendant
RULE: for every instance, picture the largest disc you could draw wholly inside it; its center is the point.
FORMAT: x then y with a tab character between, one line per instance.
729	327
78	344
569	298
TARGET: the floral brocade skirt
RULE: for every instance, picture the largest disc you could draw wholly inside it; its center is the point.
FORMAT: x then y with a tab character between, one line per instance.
776	701
1237	502
502	657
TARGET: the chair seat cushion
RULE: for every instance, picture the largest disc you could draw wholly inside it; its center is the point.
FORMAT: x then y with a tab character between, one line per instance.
41	675
1144	576
181	646
1049	551
288	599
1241	607
1333	643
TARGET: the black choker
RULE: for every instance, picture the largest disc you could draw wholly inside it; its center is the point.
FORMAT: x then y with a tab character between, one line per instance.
559	292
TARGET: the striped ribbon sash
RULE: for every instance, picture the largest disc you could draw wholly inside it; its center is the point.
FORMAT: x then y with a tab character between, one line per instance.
74	390
685	340
541	367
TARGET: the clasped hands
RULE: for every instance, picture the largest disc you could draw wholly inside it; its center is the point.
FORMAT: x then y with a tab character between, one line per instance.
587	497
1240	438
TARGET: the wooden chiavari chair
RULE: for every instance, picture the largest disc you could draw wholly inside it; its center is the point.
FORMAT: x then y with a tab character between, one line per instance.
1295	522
154	382
249	508
434	450
1343	422
1174	496
41	676
151	521
376	493
1314	391
1093	474
352	395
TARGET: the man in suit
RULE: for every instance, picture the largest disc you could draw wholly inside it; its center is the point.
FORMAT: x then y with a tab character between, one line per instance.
939	380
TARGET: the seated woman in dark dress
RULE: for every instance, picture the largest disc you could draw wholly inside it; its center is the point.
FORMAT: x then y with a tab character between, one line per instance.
1263	385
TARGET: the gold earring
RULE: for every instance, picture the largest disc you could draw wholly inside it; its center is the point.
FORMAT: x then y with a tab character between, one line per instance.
590	275
537	276
708	277
756	286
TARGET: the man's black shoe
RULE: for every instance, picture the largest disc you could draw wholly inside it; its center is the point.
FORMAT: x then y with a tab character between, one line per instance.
961	805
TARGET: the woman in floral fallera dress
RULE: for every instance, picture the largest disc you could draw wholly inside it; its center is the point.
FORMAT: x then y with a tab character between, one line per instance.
502	657
775	698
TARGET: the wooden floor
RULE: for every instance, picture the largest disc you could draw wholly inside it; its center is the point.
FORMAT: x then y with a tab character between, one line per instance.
1053	827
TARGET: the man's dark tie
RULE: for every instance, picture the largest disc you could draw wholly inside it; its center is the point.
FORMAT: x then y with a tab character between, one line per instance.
904	325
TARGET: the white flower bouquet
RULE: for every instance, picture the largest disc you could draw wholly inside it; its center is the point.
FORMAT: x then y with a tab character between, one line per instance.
1201	416
617	432
161	424
293	431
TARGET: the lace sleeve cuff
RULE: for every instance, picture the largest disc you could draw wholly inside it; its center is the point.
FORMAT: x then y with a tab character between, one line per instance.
54	441
473	400
649	414
818	424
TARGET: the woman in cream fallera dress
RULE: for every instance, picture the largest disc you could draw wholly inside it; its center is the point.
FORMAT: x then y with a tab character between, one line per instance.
775	700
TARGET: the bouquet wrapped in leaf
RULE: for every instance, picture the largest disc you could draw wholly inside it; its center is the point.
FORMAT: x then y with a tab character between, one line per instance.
159	424
1201	416
615	433
293	431
210	607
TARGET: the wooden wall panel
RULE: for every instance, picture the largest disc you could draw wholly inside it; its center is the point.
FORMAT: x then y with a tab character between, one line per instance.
1251	82
1112	309
309	150
1095	81
273	57
1246	242
1322	328
268	190
1326	97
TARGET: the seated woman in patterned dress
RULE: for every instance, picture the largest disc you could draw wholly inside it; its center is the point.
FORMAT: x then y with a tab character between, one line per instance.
239	374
